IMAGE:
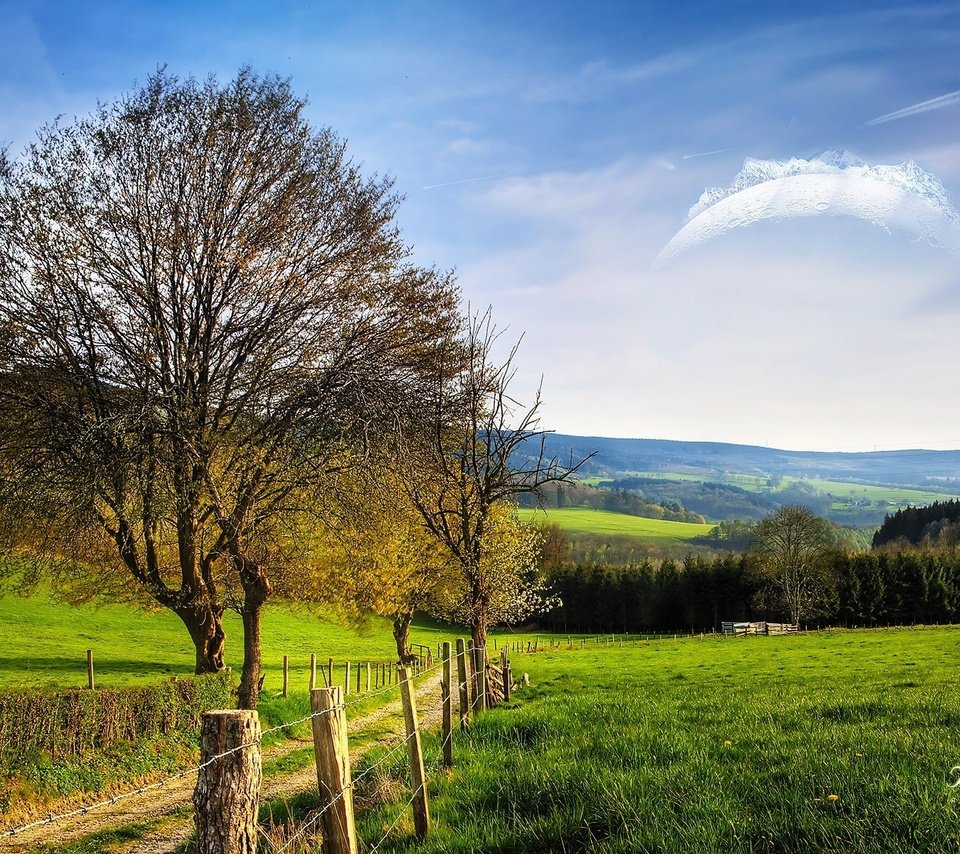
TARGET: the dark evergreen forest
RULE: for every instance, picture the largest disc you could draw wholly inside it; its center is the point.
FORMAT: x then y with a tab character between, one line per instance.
869	589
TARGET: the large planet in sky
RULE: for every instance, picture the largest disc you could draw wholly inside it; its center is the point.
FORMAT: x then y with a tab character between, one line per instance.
902	198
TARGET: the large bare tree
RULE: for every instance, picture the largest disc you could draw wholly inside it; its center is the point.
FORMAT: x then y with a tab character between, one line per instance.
483	448
204	309
793	546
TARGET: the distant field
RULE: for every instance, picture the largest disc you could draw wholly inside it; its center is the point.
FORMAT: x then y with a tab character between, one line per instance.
891	494
841	490
582	520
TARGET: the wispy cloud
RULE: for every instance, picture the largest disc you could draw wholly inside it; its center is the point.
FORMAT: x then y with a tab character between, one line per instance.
939	103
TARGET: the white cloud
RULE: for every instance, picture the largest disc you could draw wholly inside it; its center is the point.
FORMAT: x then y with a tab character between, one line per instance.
798	335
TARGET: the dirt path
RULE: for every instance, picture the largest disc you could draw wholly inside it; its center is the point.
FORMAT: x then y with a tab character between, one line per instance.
155	805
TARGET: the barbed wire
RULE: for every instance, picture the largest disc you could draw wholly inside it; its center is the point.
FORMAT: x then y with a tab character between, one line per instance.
399	745
400	815
79	811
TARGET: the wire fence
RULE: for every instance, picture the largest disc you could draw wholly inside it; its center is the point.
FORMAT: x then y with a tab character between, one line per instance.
139	790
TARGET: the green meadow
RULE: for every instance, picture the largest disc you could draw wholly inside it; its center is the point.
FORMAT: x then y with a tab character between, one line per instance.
583	520
46	642
840	742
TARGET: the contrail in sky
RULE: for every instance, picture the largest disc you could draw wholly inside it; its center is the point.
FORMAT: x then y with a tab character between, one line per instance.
947	100
467	181
707	153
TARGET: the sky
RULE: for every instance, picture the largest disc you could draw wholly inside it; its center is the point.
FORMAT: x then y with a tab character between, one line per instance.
547	152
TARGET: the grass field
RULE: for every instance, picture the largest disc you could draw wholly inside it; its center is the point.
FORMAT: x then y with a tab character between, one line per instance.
45	642
840	741
892	494
836	742
843	490
583	520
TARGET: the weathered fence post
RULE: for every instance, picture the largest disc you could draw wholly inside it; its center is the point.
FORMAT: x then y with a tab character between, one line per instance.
90	682
478	668
462	682
368	678
418	776
333	771
313	670
227	794
329	672
286	675
507	679
358	676
346	679
445	686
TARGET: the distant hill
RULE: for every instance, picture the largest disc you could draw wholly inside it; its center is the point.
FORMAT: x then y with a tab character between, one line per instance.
920	469
721	481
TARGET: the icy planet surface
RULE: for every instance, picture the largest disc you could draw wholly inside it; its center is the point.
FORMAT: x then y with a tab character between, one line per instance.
833	183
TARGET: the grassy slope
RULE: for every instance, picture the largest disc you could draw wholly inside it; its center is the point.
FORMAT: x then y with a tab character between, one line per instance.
834	742
586	521
45	643
843	490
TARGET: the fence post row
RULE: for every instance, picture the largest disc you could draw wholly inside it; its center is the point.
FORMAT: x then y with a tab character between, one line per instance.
418	776
227	792
333	770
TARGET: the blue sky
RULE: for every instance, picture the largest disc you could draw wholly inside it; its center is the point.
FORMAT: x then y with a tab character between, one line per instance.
544	150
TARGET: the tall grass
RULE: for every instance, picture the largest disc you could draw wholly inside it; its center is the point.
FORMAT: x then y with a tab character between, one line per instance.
832	742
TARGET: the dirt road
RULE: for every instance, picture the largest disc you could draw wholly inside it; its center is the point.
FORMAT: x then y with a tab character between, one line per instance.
170	807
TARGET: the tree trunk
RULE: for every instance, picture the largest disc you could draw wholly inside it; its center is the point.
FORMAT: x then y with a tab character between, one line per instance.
256	589
401	634
205	625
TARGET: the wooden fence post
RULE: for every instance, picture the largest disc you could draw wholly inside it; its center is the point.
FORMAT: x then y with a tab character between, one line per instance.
333	771
445	689
313	670
418	776
462	682
227	793
368	677
329	672
286	675
358	677
90	682
479	672
346	679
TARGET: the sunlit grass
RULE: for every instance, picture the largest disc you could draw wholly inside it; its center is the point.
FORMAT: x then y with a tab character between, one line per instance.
832	742
583	520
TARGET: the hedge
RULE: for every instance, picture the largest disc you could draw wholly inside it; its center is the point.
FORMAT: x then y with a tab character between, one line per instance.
71	723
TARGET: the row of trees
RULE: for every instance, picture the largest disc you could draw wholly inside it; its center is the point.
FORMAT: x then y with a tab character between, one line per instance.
222	377
574	494
862	589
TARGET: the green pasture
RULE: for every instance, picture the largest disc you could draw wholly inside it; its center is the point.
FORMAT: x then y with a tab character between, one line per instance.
833	742
45	642
894	495
583	520
842	491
